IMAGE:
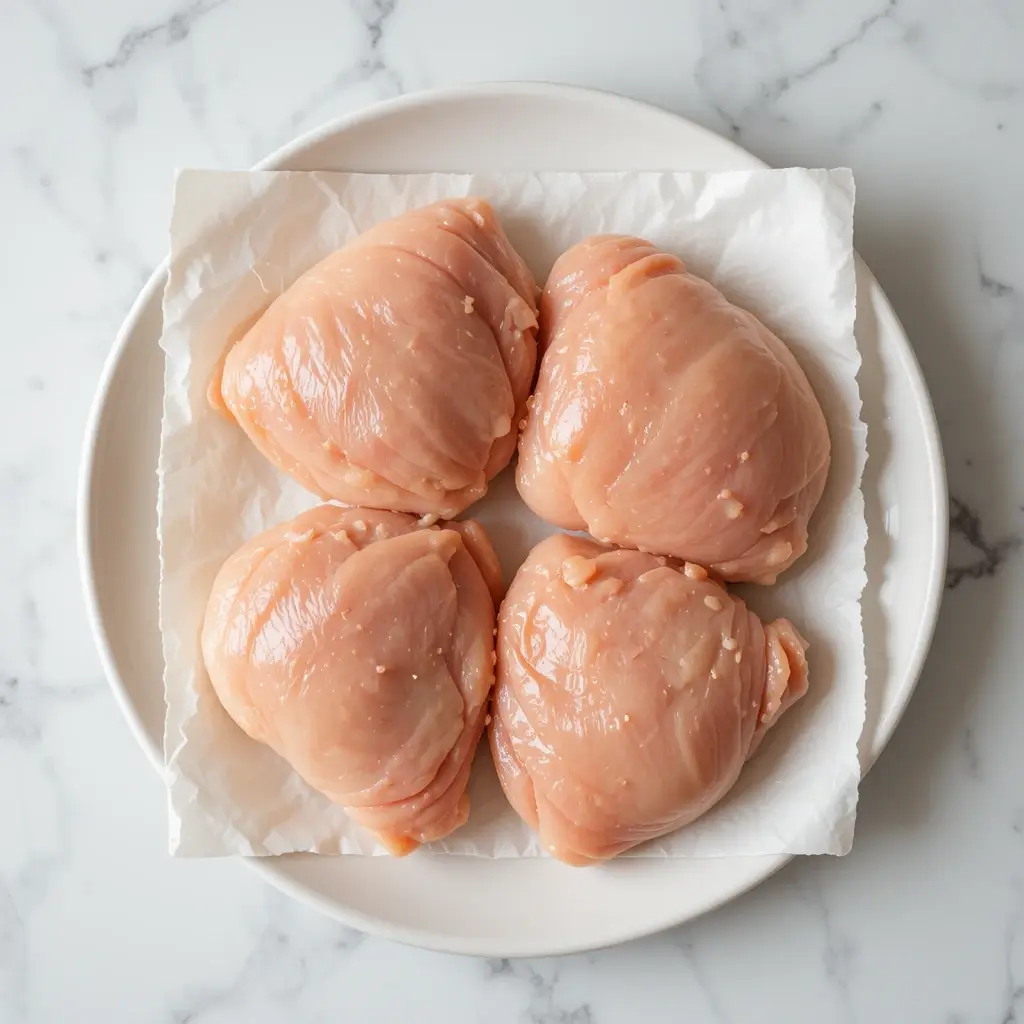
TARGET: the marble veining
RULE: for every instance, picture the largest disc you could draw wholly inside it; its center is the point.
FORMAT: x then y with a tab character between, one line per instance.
924	920
985	556
173	29
538	982
742	29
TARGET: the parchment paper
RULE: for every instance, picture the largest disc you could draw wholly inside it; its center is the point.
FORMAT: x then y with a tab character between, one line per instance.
777	242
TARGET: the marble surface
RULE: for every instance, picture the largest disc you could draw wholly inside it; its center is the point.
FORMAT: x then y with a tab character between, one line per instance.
924	920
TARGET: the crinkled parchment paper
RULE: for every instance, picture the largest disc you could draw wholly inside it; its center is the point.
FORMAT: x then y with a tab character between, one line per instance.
776	242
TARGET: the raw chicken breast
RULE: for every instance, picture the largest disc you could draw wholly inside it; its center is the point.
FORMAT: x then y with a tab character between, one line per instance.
359	646
629	694
667	419
394	372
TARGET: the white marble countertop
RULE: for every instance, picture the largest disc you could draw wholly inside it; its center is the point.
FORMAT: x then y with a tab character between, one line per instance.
924	921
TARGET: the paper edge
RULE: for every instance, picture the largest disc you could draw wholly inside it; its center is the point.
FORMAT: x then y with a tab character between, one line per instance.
184	177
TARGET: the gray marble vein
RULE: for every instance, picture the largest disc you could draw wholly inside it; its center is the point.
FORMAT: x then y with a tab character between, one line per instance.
282	962
538	983
737	32
167	32
986	556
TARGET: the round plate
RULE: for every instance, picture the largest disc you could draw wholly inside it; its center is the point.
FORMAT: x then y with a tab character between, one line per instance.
530	906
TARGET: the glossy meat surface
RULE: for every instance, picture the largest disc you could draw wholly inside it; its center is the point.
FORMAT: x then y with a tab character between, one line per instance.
393	373
359	646
630	692
667	419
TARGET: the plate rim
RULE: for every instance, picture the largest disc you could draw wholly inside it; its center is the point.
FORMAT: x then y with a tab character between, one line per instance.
265	867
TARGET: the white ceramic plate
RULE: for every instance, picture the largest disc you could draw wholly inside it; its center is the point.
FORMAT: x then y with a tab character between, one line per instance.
530	906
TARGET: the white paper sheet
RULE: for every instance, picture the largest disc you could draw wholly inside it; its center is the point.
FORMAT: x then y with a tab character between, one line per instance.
777	242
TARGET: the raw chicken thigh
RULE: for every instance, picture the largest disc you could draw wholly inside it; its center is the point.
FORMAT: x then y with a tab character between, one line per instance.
393	373
667	419
630	693
359	646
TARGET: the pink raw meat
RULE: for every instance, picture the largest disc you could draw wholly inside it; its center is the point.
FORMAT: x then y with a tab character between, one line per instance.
359	646
630	692
667	419
394	372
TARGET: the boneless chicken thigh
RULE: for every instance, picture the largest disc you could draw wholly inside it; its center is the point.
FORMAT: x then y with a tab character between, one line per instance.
359	646
630	692
667	419
393	373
